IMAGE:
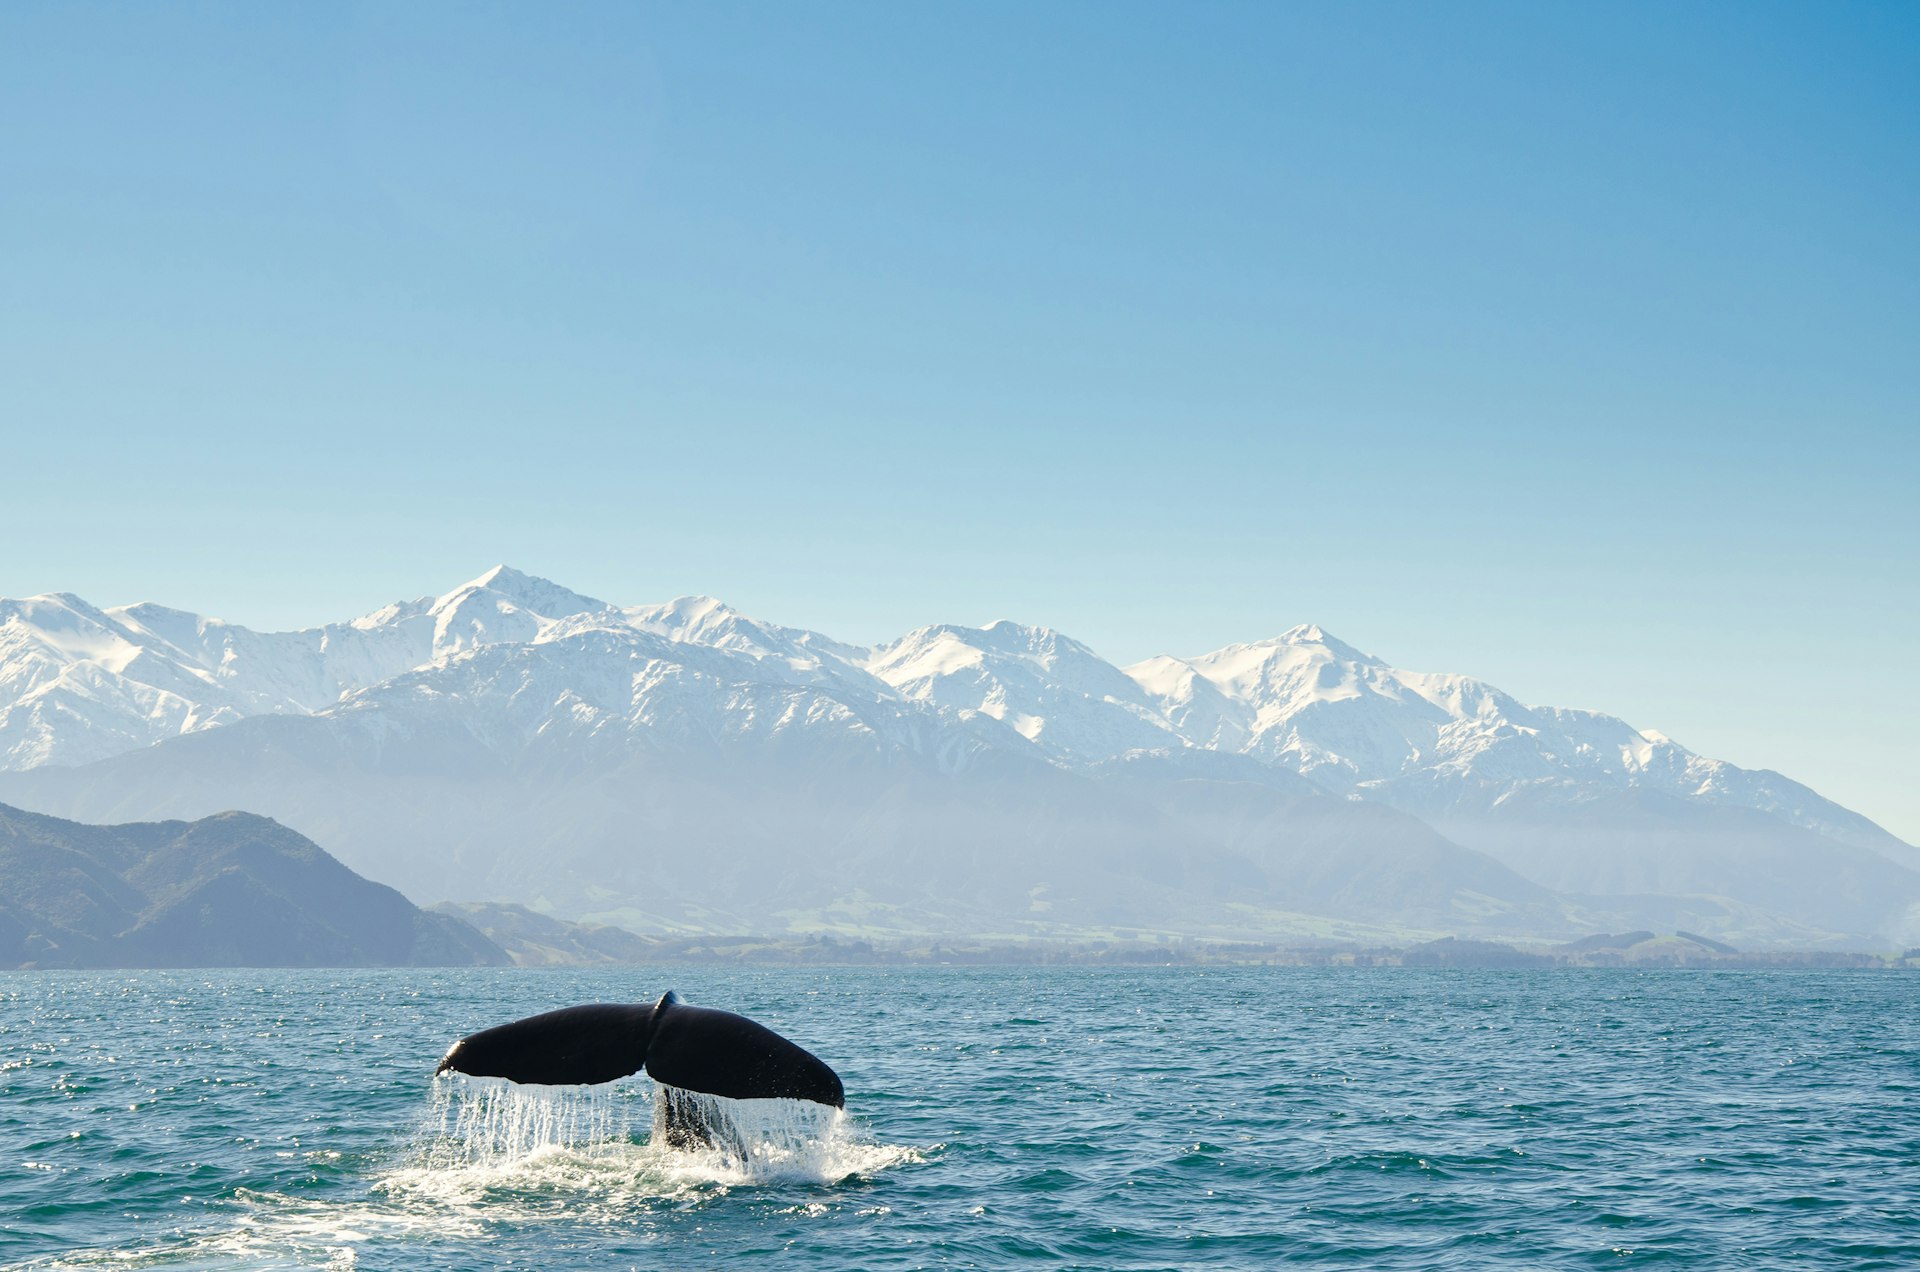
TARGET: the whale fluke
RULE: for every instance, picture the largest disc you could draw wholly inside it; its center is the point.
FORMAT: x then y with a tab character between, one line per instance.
719	1053
597	1043
693	1048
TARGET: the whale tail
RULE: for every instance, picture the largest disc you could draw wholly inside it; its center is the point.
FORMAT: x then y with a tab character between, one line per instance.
596	1043
692	1048
719	1053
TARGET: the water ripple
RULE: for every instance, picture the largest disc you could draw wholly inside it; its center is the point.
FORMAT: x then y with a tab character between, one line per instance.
1098	1118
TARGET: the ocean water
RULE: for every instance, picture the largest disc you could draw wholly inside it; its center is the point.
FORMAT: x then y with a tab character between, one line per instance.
996	1118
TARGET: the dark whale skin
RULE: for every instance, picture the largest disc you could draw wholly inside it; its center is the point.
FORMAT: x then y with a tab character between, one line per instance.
693	1048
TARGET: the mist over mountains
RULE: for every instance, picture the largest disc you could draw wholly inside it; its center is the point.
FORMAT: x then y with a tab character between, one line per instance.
685	768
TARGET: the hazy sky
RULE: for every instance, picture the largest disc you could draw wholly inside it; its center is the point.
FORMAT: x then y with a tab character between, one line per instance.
1573	347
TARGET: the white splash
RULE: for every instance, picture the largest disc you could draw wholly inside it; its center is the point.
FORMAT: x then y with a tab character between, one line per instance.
485	1138
743	1141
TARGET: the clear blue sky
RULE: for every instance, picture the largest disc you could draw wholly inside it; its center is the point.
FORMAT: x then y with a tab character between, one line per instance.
1576	347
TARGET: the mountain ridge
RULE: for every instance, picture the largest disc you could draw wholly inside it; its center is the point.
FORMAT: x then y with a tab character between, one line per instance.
543	689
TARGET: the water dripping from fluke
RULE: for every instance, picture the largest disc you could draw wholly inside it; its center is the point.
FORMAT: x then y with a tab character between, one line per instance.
489	1123
755	1139
492	1134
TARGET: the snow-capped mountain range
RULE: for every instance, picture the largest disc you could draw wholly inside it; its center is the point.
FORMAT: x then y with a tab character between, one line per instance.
517	684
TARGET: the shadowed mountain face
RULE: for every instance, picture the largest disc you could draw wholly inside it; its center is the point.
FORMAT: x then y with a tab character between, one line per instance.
683	767
234	890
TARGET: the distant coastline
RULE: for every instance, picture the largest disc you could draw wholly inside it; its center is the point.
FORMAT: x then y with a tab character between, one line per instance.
827	951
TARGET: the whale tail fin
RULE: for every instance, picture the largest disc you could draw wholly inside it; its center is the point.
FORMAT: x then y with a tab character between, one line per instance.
597	1043
693	1048
719	1053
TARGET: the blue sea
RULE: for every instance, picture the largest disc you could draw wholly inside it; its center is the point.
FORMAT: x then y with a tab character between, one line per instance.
996	1118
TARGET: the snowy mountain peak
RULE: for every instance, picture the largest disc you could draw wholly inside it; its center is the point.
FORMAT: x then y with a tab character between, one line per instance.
181	631
695	620
960	645
1199	710
504	606
41	634
703	620
79	684
155	616
528	592
1043	643
48	607
1269	678
388	615
1048	687
1163	675
1312	635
